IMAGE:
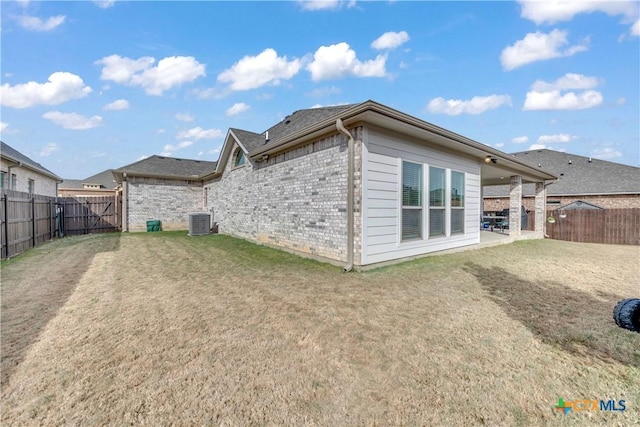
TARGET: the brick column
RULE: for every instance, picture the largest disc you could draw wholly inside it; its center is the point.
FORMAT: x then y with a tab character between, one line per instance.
540	209
515	203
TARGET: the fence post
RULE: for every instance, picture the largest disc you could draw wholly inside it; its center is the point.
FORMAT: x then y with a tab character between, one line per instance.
33	221
5	202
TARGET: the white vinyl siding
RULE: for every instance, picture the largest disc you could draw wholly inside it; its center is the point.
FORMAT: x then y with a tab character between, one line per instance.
383	155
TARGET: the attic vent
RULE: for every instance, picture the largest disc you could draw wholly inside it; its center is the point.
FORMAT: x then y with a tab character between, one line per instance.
199	224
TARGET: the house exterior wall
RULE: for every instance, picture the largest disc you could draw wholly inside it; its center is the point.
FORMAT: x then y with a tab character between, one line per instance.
383	154
43	185
168	200
295	200
553	202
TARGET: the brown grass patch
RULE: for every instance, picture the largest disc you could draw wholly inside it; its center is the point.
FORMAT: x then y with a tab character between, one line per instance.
166	329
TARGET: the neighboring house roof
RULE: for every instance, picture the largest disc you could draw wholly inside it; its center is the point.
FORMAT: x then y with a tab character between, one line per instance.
579	205
578	175
166	167
104	179
307	125
15	156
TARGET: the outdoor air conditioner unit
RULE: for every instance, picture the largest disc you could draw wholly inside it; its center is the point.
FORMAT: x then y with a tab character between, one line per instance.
199	224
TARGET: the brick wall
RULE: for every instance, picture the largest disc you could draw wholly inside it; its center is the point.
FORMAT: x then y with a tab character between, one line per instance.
295	200
170	201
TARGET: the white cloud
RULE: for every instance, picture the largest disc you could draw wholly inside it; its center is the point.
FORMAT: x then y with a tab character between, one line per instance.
33	23
3	126
73	121
539	47
169	149
185	117
605	153
161	131
476	105
48	150
635	28
237	108
61	87
550	139
566	82
621	101
549	96
314	5
554	100
119	104
499	144
538	147
339	60
390	40
170	72
199	133
520	139
23	3
104	4
550	12
252	72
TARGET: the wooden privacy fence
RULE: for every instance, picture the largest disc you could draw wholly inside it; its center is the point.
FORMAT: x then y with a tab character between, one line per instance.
614	226
25	222
28	220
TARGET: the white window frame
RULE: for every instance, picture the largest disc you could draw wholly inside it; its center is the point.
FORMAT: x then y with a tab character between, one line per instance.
464	201
438	208
420	208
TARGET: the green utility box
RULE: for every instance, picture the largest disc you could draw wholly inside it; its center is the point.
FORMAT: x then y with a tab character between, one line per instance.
154	225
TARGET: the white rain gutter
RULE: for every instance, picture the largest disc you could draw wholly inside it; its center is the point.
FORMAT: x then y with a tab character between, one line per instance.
350	179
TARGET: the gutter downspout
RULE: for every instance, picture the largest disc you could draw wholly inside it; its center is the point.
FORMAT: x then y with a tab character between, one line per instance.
350	179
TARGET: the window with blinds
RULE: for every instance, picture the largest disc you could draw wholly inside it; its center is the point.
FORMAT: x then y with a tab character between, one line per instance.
411	201
437	185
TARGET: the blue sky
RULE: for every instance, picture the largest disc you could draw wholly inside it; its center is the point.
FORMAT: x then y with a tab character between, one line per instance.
88	86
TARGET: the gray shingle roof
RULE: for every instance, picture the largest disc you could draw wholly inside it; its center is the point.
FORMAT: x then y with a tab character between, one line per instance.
104	179
250	140
301	119
168	166
17	156
294	122
578	175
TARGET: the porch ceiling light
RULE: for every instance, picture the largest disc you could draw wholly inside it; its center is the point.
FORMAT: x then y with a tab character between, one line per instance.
490	159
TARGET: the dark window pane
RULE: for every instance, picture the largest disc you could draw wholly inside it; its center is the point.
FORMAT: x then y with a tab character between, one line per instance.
436	222
411	184
411	224
436	187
